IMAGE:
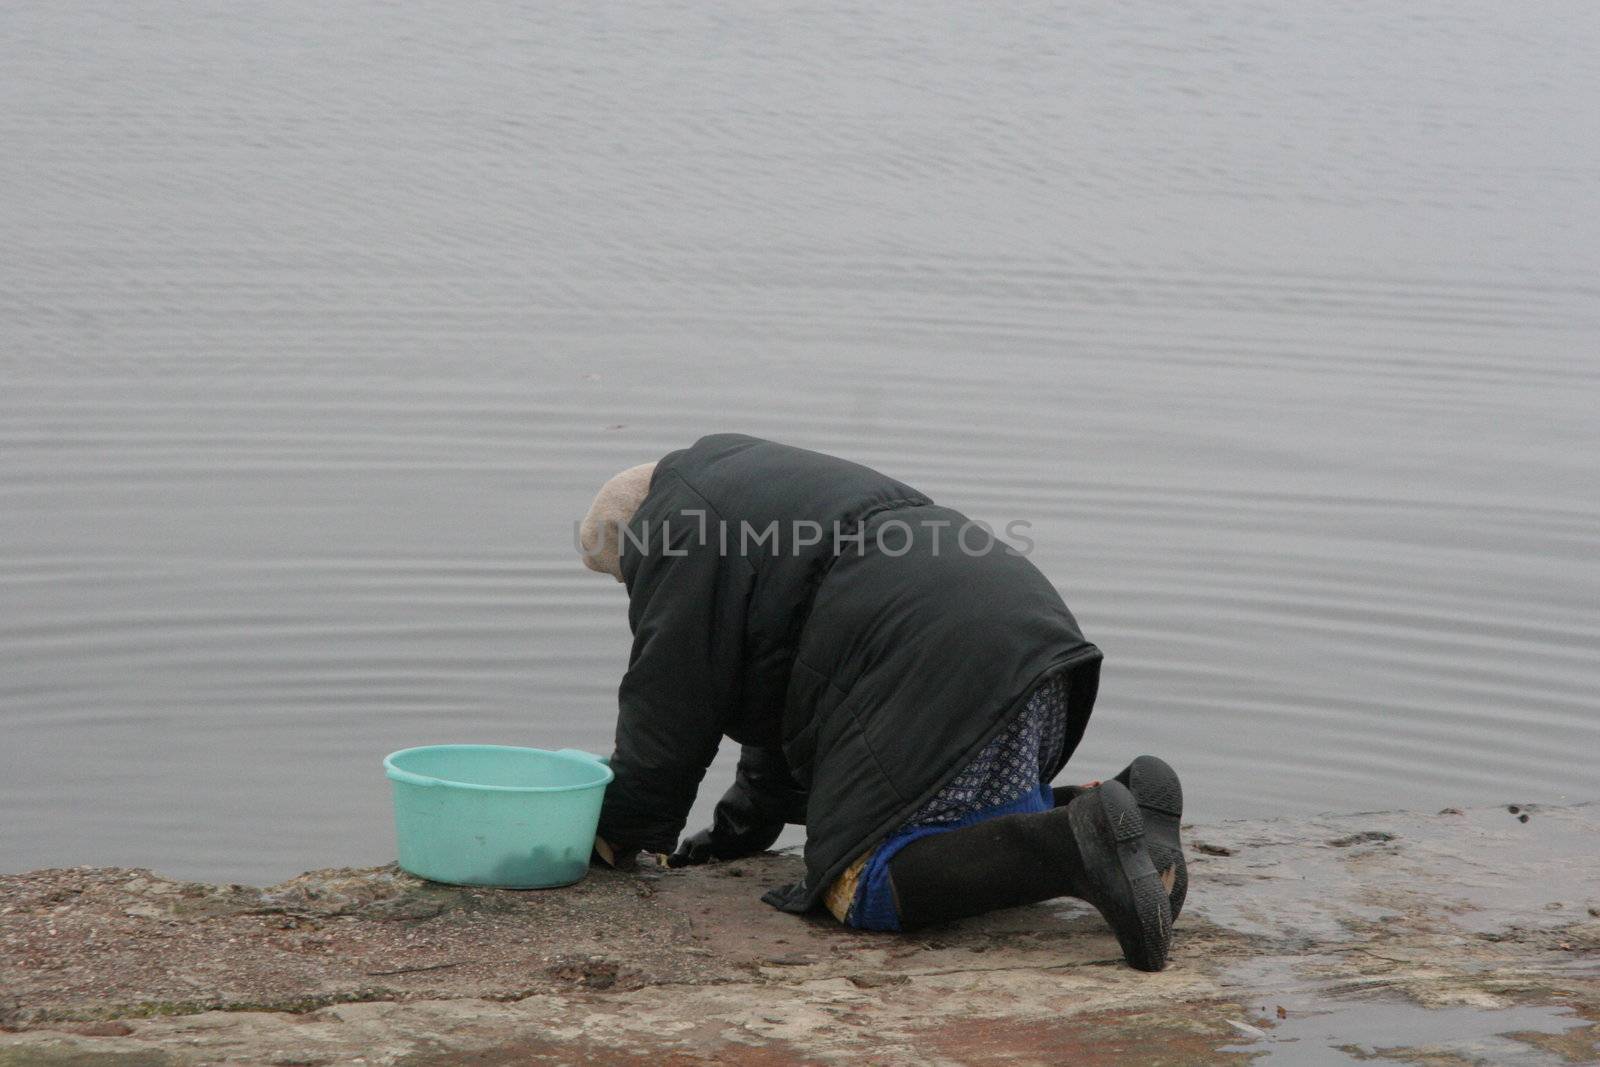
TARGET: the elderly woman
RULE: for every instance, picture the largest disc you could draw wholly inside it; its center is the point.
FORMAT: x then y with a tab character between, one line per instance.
900	682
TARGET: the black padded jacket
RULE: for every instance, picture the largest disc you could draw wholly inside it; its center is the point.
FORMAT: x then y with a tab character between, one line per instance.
859	641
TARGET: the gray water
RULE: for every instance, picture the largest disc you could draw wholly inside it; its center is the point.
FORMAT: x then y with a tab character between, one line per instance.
319	324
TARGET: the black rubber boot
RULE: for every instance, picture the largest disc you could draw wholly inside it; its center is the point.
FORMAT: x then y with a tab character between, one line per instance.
1092	848
1155	786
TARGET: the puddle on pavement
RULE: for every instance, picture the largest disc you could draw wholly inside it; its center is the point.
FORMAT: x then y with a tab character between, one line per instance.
1361	1031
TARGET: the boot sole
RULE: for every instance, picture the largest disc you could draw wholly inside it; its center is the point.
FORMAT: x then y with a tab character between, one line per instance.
1124	886
1156	787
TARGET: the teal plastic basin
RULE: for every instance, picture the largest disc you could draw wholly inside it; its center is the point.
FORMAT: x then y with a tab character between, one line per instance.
496	815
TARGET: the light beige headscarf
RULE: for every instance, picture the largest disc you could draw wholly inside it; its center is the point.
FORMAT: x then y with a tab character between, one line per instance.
600	534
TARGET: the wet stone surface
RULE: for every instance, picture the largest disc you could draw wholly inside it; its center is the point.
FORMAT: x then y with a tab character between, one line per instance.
1466	936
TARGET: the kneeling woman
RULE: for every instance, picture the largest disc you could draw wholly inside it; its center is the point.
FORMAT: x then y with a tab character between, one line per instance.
901	683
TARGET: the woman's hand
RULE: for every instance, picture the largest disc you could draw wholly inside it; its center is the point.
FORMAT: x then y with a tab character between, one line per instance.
692	850
621	859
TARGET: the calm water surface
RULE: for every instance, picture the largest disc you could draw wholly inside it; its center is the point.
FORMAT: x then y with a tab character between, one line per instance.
319	325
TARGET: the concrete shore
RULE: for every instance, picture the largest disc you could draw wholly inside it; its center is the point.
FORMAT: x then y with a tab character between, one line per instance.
1449	938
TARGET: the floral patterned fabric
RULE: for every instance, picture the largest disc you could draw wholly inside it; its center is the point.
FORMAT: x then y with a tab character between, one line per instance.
1010	766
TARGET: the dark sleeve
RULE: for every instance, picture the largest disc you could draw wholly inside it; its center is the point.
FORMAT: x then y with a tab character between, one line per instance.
763	797
687	614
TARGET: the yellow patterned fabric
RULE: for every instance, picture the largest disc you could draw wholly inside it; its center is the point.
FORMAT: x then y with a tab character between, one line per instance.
842	893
